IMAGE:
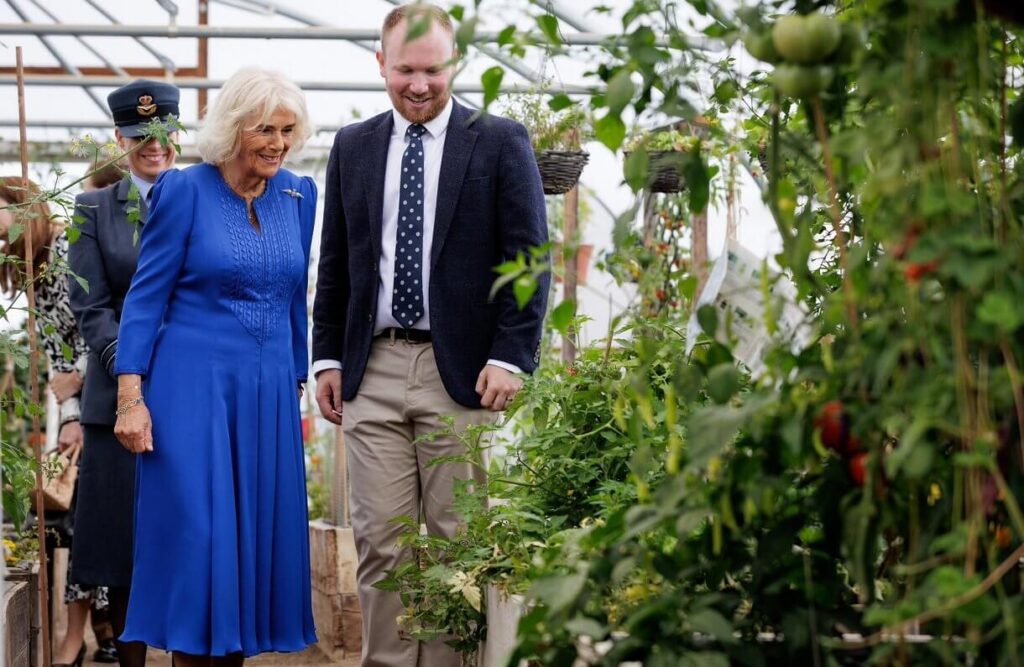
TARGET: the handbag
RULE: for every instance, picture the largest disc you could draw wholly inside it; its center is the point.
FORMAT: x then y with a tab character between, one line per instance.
59	489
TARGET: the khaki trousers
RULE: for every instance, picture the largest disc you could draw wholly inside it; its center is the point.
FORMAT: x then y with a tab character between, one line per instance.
400	399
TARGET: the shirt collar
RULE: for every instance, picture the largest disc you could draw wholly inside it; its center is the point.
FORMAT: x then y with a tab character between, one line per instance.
143	185
435	127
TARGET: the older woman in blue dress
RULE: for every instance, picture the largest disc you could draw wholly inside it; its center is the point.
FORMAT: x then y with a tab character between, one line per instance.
211	356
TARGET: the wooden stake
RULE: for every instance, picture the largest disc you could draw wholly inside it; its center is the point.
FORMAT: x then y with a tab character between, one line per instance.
202	60
570	250
33	368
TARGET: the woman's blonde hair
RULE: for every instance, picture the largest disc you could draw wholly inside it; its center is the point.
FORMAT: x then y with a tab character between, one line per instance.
246	101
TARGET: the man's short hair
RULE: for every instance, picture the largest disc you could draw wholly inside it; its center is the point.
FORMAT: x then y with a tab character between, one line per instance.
414	11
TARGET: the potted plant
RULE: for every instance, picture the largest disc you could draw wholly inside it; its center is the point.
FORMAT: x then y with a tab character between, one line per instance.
666	151
557	138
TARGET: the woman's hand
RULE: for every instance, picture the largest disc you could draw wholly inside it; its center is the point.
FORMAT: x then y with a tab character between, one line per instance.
70	435
66	385
133	428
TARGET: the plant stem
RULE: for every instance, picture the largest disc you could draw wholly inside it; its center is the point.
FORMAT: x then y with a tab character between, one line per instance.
1003	111
1010	500
50	195
966	384
836	212
952	604
915	569
1013	370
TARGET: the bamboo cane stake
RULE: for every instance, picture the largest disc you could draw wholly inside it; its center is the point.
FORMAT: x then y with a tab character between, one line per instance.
33	372
570	249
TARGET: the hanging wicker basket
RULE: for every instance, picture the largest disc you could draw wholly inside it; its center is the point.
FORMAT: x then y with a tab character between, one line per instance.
663	171
560	170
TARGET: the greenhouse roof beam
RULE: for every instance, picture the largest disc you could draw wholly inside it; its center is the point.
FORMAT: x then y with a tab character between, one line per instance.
167	64
201	83
170	7
574	22
250	32
93	124
55	52
265	7
116	69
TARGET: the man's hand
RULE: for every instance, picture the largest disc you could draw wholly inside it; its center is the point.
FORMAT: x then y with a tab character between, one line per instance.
328	394
66	385
497	387
135	429
70	436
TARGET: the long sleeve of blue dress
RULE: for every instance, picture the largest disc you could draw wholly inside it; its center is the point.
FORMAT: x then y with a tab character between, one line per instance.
299	315
162	251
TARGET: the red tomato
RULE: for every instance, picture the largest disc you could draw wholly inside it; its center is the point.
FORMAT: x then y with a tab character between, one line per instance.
832	425
900	250
916	271
857	470
1004	537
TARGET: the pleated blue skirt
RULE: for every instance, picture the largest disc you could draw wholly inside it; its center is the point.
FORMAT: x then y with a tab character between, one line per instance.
221	560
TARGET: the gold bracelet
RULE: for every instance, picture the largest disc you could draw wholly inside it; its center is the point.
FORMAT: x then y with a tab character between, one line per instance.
125	406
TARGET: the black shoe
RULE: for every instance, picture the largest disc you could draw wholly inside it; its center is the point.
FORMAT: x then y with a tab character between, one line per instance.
78	659
107	652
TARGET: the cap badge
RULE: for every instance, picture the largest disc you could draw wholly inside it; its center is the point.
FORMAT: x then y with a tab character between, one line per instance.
146	106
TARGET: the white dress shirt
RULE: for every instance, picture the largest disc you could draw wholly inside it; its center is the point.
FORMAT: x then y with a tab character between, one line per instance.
433	152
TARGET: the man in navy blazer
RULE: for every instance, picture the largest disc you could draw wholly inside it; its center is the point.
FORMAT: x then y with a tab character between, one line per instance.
421	203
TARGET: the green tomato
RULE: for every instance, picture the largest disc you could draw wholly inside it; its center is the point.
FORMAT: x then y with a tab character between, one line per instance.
823	35
761	46
801	81
806	39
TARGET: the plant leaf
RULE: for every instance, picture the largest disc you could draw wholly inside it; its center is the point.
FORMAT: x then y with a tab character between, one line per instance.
610	131
561	317
549	26
491	80
636	168
620	91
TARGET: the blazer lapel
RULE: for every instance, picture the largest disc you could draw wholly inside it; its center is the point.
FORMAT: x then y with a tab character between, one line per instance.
124	186
458	148
378	139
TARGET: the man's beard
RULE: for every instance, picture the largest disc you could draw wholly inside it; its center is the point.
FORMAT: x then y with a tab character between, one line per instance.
426	114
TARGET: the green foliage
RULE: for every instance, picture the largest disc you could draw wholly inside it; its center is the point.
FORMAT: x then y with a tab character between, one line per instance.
556	124
715	525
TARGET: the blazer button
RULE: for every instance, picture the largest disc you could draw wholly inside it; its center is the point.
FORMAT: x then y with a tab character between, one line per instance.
369	318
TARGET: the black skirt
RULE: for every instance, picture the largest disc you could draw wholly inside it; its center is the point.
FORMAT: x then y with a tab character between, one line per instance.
101	554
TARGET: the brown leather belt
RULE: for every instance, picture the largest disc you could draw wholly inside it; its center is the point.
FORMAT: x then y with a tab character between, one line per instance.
408	335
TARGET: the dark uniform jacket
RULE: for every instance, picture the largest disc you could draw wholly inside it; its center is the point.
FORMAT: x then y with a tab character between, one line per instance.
105	256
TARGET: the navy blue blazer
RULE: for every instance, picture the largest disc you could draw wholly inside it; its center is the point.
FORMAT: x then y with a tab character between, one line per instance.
104	255
490	206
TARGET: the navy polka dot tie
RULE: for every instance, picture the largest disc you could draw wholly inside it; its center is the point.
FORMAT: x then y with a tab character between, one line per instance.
407	298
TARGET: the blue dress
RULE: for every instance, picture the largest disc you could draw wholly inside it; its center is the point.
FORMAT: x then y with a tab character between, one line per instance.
215	321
